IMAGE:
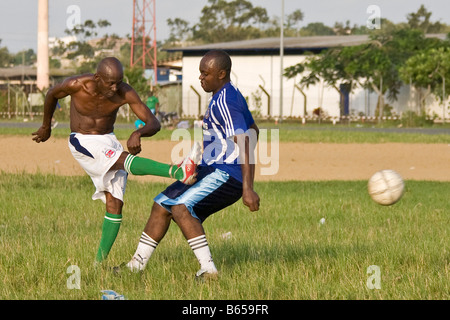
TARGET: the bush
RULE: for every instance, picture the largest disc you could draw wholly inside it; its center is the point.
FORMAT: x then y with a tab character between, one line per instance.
412	119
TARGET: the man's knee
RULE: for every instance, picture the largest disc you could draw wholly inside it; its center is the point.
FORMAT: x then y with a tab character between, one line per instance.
113	205
180	211
159	210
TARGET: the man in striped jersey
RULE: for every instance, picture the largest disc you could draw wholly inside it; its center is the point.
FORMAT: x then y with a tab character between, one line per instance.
95	101
225	175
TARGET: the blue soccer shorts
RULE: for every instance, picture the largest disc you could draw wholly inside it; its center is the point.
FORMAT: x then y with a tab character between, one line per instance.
213	191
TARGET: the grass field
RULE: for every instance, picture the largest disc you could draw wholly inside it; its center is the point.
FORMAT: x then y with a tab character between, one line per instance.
310	133
49	223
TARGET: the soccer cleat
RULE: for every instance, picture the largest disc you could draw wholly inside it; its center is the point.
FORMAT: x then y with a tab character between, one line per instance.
189	165
204	275
136	264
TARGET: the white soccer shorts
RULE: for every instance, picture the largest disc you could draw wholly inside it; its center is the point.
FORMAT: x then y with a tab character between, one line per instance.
97	154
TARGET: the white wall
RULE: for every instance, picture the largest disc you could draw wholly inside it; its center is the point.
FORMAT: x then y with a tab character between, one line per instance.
407	100
249	72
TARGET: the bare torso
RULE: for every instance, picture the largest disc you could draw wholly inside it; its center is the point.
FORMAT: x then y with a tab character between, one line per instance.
93	113
95	101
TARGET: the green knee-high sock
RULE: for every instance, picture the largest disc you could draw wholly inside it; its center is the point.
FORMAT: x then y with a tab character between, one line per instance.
142	166
110	229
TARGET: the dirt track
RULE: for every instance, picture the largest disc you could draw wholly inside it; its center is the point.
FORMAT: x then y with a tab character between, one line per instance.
297	161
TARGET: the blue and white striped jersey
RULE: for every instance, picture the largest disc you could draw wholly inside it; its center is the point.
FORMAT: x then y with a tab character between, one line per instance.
227	115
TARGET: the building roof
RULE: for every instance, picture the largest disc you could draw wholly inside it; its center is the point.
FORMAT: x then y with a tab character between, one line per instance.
18	72
292	45
272	45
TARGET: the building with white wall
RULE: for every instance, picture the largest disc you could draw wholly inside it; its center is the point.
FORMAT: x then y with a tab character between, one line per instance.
256	71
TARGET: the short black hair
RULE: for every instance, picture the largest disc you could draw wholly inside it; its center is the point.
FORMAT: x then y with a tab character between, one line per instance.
222	59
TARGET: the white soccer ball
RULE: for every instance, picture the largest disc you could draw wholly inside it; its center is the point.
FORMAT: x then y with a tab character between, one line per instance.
386	187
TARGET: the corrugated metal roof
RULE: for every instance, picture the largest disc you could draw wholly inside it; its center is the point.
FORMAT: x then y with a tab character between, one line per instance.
271	44
291	44
30	71
17	71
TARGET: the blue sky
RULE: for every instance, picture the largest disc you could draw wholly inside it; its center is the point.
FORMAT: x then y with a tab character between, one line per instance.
18	18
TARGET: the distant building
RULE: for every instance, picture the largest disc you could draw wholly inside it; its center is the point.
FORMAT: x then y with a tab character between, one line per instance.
256	71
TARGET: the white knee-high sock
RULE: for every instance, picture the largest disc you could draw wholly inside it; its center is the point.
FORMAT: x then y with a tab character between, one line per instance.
143	252
199	246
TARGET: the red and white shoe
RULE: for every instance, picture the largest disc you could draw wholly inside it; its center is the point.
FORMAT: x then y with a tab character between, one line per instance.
189	165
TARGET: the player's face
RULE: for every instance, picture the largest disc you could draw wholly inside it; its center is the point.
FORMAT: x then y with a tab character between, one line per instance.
108	83
210	76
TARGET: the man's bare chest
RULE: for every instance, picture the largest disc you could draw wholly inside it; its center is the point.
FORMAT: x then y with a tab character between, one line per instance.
94	106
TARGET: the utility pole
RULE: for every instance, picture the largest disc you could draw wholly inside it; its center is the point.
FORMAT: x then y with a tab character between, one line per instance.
144	31
281	59
43	71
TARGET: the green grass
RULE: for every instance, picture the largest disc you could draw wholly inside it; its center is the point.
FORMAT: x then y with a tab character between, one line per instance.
58	132
340	135
48	223
291	133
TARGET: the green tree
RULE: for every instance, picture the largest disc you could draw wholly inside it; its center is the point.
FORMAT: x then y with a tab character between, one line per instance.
428	70
83	46
5	57
371	65
294	18
225	21
341	30
232	20
374	65
377	64
88	29
135	78
291	26
316	29
24	57
421	20
329	66
292	22
179	30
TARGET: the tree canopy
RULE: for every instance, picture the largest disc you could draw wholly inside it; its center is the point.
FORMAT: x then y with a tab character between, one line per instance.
397	53
383	65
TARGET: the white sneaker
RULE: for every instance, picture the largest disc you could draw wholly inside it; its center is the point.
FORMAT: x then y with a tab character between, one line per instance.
189	164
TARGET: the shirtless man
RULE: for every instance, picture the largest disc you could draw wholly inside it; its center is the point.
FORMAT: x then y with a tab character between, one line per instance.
95	101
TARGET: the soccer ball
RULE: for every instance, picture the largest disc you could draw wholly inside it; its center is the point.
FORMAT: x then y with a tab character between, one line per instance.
386	187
